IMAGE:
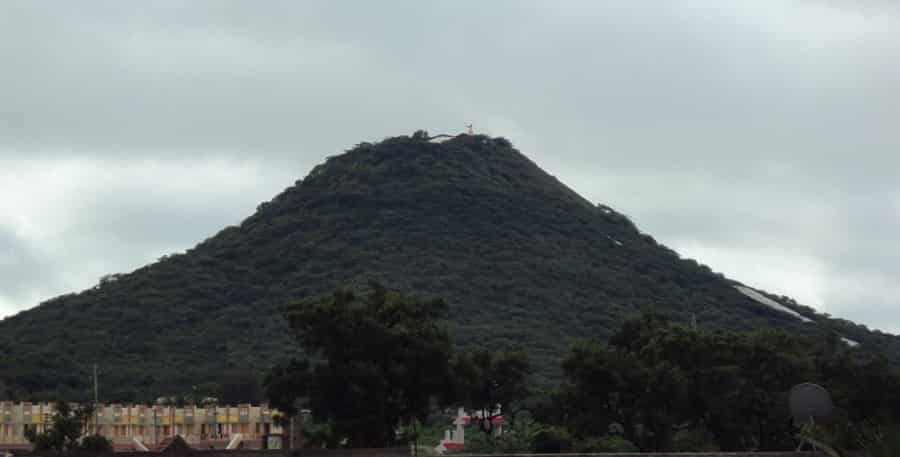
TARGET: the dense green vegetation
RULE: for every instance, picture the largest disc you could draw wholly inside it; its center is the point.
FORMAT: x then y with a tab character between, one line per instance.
377	361
521	260
660	386
670	387
654	386
489	382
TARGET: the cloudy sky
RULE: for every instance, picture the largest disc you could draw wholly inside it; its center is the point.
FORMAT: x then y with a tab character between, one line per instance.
760	137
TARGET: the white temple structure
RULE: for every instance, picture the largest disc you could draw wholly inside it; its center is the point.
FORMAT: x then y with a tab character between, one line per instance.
455	440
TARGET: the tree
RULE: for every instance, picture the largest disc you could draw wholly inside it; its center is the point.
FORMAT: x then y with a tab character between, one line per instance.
605	387
65	431
718	389
205	394
376	362
96	444
489	382
287	383
5	392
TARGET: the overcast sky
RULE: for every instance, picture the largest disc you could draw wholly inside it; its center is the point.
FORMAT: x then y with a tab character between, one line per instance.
759	137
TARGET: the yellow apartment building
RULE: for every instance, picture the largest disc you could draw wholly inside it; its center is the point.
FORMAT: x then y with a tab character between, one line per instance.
146	426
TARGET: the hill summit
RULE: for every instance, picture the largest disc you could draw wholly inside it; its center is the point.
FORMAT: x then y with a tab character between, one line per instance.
522	260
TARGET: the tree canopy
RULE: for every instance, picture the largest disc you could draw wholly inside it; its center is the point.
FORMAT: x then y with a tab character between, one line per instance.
375	361
663	384
65	432
489	382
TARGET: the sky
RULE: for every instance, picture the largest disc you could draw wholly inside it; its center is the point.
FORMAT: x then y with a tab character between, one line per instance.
759	137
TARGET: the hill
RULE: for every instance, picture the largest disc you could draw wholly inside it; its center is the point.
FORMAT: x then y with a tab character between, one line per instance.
522	260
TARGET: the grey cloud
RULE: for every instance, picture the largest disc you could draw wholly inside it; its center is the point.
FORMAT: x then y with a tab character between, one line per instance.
742	128
22	271
117	216
851	234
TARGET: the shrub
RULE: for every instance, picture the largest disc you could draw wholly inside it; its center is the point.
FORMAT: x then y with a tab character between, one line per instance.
693	440
552	440
881	440
481	443
609	443
96	444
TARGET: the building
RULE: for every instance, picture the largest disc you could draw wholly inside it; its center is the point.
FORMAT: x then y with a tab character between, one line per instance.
141	427
455	440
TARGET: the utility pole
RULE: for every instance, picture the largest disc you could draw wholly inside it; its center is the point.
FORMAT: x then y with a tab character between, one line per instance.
290	435
415	439
96	406
96	390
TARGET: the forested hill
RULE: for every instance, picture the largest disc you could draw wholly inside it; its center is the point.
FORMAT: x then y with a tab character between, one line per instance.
522	260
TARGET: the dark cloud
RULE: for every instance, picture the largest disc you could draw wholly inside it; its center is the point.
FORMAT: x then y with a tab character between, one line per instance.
756	136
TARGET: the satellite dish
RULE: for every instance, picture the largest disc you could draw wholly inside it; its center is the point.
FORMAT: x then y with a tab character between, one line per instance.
810	403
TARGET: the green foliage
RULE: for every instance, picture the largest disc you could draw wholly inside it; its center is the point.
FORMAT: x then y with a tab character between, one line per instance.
482	443
875	440
819	438
489	382
880	440
64	433
694	439
522	260
286	384
320	435
96	444
608	443
424	436
523	436
673	388
520	436
552	440
379	361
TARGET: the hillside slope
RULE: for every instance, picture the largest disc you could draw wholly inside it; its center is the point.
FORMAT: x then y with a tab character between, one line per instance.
522	260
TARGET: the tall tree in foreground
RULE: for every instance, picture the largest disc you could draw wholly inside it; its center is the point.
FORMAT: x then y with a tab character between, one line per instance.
489	382
376	361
